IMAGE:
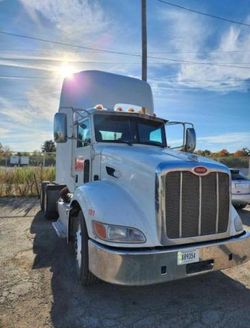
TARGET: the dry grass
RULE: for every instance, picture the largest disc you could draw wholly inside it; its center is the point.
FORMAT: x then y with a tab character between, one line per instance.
24	181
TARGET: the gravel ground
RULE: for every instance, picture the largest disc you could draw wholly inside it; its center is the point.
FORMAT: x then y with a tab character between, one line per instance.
38	286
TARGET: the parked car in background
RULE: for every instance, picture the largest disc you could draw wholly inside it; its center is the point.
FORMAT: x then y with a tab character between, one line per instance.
240	189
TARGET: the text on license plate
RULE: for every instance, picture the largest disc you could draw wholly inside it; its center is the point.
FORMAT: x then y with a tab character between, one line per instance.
185	257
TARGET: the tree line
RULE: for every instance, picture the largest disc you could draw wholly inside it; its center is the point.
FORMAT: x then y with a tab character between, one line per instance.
244	152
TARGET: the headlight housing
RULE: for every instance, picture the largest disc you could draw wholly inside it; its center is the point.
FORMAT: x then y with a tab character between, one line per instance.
117	234
238	224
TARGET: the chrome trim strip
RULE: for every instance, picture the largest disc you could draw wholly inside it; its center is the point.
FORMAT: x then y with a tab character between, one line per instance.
200	204
217	202
180	206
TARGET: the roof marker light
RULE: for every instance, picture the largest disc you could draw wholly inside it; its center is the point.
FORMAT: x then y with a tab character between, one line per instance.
131	110
118	109
99	107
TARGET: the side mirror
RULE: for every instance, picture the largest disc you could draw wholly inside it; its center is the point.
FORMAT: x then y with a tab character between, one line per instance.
190	143
60	127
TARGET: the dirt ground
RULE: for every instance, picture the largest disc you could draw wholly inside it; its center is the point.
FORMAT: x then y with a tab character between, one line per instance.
38	286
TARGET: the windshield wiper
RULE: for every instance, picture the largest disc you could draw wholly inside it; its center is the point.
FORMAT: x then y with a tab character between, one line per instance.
151	144
124	141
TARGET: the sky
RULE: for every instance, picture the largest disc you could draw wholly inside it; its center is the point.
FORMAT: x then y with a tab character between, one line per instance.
199	67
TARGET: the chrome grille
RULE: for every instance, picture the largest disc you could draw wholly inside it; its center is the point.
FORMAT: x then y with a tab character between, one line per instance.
196	205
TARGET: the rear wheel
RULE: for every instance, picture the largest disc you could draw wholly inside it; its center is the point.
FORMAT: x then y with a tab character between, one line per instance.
50	199
42	194
49	214
81	254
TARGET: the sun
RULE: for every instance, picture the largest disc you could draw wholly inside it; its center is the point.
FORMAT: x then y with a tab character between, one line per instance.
66	71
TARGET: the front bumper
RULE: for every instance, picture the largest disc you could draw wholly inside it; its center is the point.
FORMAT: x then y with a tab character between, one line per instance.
144	267
240	199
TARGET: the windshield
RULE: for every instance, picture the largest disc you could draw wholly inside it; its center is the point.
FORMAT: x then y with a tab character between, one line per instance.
236	175
127	129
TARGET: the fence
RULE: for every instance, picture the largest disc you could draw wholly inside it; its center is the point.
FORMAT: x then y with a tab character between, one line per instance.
37	159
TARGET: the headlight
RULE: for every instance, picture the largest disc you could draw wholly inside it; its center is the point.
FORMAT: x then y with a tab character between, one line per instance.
238	224
118	234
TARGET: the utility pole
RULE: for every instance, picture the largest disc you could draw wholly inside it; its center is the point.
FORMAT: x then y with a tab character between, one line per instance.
144	39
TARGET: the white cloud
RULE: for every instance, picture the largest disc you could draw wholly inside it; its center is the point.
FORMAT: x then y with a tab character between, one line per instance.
14	114
44	101
26	127
4	131
186	32
20	64
26	141
73	18
191	37
231	141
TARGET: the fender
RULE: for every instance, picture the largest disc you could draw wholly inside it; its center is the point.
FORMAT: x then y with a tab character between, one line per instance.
108	202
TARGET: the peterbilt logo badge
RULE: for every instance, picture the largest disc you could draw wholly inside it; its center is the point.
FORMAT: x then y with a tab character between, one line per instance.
200	170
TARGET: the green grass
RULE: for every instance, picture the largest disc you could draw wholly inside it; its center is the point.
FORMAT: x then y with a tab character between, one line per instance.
23	181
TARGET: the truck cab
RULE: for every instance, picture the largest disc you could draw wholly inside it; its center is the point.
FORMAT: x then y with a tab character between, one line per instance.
136	211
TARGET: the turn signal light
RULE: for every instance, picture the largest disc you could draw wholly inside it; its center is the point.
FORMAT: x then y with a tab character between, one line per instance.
117	234
100	230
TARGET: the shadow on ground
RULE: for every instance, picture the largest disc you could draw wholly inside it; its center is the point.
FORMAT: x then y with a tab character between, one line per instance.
211	300
18	206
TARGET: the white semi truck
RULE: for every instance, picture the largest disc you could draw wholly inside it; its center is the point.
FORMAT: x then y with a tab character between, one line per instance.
136	211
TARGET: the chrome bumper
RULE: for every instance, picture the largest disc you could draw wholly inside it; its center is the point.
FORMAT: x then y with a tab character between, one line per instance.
140	267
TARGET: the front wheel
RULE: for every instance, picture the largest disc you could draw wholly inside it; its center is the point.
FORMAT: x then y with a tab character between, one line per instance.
81	254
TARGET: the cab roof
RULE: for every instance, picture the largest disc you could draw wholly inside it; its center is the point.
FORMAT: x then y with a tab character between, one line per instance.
86	89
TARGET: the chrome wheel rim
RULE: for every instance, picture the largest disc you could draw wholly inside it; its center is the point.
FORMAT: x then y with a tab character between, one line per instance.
79	246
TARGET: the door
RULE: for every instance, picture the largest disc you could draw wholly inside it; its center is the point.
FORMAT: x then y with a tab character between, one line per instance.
83	148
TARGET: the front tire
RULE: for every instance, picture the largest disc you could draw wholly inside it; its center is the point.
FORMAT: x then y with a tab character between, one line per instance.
81	253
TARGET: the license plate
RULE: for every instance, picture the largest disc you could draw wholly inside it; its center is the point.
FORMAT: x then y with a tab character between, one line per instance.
185	257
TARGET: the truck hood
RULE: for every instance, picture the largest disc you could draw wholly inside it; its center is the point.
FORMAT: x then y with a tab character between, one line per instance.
131	172
150	157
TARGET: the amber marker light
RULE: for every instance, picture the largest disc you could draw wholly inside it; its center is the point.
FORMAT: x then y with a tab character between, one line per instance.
99	230
99	107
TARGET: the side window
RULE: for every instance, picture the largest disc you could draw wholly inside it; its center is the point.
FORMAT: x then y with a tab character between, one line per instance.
83	134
